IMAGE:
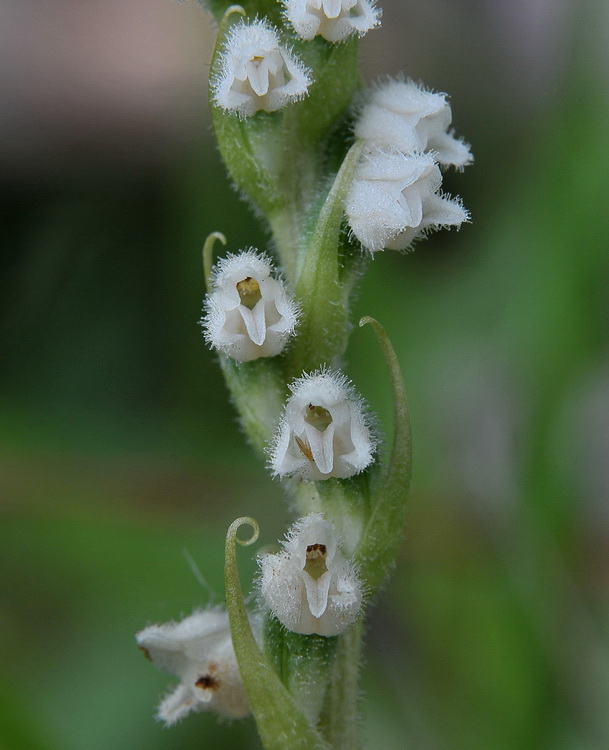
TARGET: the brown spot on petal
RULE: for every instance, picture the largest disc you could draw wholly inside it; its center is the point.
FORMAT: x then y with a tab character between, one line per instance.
316	550
208	682
145	651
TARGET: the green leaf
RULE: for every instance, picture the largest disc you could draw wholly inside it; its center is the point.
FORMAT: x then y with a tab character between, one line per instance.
281	723
385	529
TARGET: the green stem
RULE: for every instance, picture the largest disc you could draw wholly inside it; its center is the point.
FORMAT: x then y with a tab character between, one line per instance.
339	719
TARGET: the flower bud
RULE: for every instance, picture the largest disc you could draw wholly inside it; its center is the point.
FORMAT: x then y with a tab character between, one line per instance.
309	586
323	432
249	314
335	20
200	652
257	72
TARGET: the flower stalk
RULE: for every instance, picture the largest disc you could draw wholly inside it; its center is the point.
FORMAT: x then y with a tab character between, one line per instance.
337	173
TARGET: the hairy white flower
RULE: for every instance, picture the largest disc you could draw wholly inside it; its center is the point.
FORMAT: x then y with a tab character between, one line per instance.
309	586
323	432
335	20
394	198
199	651
257	71
401	115
249	313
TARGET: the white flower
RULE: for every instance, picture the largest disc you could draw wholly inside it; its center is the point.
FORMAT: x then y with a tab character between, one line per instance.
309	586
257	71
323	432
335	20
394	198
401	115
249	313
199	651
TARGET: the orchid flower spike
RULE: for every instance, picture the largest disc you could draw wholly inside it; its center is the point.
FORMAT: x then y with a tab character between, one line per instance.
335	20
199	651
401	115
395	198
249	313
309	586
324	431
257	72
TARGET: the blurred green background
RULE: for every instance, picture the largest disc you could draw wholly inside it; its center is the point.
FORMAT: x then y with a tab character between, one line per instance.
121	464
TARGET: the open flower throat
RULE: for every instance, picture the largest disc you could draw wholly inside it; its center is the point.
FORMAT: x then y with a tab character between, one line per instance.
249	292
315	565
324	431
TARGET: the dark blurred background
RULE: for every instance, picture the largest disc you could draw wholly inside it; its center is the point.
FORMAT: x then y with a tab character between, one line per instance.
118	448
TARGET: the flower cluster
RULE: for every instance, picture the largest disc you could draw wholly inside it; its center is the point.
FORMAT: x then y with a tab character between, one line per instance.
303	174
309	586
395	196
258	72
324	431
199	651
249	314
335	20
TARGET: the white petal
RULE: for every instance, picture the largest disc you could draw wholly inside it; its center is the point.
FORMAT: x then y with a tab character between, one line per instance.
176	705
